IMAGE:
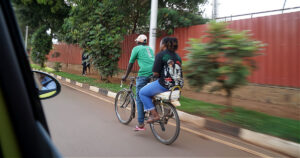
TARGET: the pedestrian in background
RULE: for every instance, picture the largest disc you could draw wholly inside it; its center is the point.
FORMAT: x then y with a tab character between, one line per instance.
84	62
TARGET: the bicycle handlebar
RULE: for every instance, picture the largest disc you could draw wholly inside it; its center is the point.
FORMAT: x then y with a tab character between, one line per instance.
131	81
132	78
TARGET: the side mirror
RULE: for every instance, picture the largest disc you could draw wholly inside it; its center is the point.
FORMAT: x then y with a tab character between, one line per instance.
47	85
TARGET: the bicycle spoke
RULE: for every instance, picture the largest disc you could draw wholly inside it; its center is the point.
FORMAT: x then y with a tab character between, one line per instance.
123	106
164	132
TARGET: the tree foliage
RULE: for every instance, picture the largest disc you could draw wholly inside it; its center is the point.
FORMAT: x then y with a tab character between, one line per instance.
37	13
179	13
226	59
169	19
97	27
171	14
191	6
41	45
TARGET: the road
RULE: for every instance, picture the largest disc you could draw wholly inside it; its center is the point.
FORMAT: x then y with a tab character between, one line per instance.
82	125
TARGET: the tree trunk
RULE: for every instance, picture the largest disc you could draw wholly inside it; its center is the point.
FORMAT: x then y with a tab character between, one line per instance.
229	98
136	18
104	79
228	102
42	65
134	27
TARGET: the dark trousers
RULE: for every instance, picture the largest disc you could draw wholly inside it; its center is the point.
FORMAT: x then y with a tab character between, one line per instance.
88	67
141	81
84	69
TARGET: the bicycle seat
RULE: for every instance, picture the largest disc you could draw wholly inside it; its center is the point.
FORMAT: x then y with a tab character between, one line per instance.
166	95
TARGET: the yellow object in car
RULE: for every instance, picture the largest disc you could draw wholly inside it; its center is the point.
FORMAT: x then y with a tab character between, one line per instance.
49	94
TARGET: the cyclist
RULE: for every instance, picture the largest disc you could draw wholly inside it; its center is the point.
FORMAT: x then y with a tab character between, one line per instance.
47	83
145	57
167	67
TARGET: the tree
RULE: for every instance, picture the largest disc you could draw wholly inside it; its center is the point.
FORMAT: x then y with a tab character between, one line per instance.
98	28
169	19
37	13
171	14
41	45
224	61
179	13
191	6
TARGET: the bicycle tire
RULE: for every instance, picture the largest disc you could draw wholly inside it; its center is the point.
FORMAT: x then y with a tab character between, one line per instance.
177	128
130	102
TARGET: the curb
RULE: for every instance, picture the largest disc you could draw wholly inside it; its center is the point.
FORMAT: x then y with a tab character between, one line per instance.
267	141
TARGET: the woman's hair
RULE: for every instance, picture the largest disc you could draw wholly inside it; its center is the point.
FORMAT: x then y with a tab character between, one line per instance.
171	43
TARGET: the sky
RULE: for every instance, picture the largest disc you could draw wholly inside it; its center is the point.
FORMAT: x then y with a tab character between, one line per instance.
235	7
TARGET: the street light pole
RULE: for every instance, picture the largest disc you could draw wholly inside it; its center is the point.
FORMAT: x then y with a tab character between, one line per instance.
153	24
215	9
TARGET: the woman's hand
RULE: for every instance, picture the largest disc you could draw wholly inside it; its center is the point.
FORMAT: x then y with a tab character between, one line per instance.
155	74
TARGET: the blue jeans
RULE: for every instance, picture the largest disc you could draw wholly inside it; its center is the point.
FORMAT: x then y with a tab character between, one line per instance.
147	92
141	81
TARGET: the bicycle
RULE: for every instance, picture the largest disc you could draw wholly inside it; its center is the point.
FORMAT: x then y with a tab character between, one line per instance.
165	105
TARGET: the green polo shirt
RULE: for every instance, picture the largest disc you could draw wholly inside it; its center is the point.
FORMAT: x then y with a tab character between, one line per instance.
145	58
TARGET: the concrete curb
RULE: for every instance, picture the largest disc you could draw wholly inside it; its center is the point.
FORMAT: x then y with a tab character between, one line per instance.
68	80
111	94
287	147
198	121
95	89
271	142
78	84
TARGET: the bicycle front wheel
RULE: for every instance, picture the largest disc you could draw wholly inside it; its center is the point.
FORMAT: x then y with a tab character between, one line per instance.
167	129
124	106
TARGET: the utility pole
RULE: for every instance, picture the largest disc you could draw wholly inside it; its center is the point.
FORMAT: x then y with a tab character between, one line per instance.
215	9
26	37
283	6
153	24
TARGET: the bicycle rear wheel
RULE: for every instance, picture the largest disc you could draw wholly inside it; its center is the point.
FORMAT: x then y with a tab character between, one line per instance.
124	106
167	129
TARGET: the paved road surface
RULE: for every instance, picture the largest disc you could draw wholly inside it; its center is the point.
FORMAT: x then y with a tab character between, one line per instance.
84	126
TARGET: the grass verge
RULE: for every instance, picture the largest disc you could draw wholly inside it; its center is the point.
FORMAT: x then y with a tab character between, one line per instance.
280	127
83	79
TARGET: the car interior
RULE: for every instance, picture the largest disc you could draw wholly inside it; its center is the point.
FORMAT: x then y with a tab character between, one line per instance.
23	127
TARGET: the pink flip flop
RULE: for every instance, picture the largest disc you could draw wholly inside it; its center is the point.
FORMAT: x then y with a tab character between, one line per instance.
137	128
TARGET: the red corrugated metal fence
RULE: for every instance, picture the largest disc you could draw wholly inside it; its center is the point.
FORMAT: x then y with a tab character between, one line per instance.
69	54
280	64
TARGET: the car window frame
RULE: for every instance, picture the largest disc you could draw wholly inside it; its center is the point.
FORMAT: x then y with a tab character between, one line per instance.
21	98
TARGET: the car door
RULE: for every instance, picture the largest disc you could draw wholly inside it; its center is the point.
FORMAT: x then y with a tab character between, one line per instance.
23	127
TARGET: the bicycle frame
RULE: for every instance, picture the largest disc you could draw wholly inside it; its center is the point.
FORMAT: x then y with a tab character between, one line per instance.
129	94
155	100
163	105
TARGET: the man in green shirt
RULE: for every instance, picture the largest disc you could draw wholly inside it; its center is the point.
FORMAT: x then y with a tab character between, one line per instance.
145	57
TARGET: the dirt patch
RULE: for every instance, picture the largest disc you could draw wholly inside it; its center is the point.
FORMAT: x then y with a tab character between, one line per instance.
292	112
